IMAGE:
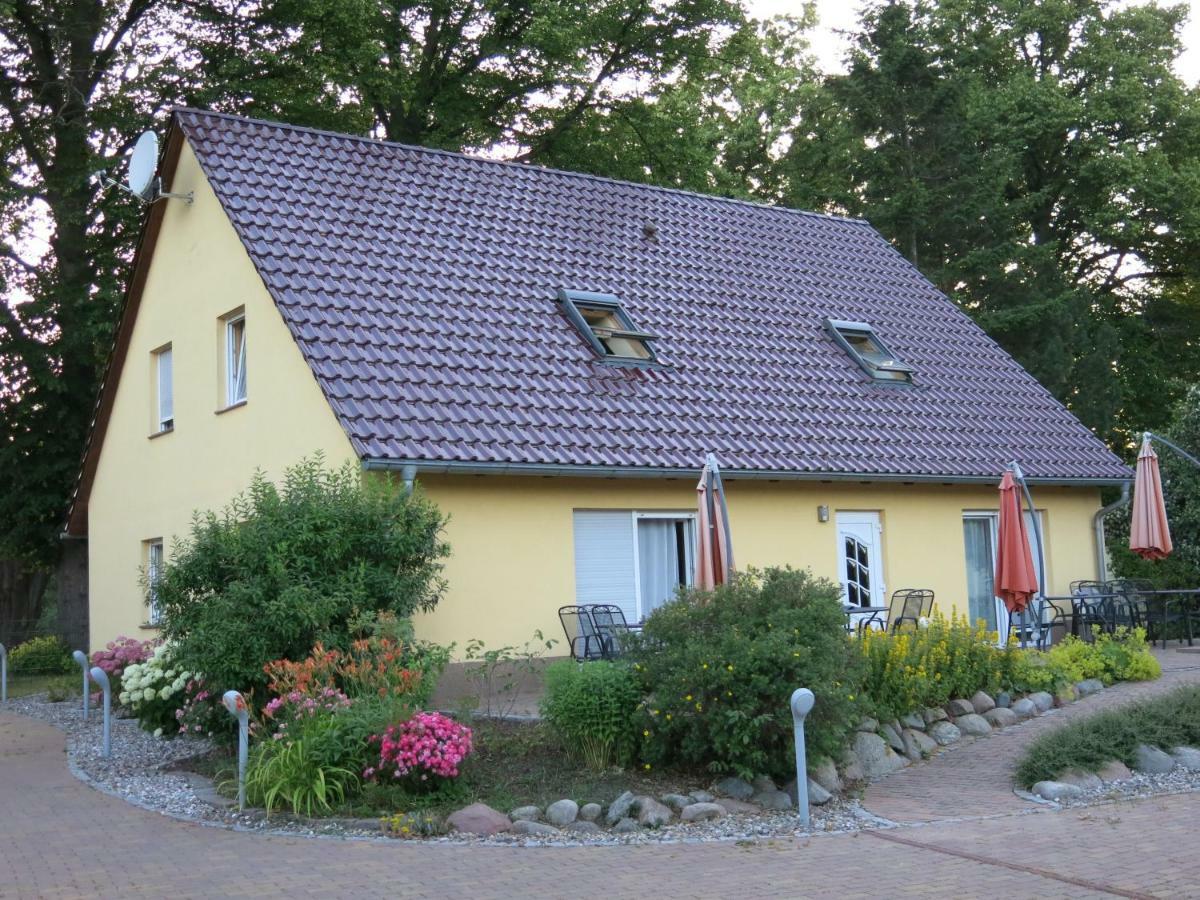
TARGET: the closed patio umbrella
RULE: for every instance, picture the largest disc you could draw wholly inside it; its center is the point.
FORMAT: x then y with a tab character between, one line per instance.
714	559
1016	578
1149	535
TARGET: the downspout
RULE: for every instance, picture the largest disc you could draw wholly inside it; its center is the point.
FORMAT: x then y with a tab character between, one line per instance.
409	475
1098	526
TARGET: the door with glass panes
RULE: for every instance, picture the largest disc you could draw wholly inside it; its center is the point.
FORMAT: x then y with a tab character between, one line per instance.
980	530
860	559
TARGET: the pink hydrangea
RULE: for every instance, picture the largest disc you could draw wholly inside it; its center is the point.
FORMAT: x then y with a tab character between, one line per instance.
121	653
427	744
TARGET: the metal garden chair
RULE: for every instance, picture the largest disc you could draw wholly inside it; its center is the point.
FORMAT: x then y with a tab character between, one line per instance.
909	605
582	637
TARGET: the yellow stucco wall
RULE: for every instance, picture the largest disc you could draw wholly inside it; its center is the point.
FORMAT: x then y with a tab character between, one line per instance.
512	562
148	487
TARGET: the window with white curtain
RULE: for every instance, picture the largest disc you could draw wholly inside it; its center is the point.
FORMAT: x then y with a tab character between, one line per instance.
634	559
235	360
164	379
154	563
980	535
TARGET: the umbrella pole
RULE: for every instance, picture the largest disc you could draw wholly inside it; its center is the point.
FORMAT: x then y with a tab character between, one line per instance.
1162	440
1037	534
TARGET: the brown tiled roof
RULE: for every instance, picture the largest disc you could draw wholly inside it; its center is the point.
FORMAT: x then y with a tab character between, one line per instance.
421	287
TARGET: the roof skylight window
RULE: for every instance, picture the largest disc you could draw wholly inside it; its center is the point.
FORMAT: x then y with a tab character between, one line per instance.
607	327
868	350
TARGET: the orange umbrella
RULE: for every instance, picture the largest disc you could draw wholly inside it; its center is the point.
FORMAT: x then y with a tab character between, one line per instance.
1016	578
714	559
1149	536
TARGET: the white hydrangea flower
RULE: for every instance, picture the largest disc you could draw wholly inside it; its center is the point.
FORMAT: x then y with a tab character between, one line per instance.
158	732
148	694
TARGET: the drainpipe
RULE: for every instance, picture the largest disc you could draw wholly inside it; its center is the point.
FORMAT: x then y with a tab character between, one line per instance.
1098	525
409	475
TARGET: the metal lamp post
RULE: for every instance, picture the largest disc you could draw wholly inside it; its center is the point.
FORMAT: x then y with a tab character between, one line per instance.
236	704
802	704
101	678
80	657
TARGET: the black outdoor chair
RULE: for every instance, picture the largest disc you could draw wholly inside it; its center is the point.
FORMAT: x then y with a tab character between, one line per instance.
909	605
1045	615
1093	608
610	624
582	637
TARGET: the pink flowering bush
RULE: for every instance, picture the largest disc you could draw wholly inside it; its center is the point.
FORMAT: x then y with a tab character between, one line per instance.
295	709
202	711
124	651
427	744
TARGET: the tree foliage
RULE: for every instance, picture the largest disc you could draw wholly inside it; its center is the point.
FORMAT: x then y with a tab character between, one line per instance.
283	568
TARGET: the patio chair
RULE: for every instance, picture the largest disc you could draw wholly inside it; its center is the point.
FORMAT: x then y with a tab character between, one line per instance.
610	625
909	605
582	637
1092	608
1046	614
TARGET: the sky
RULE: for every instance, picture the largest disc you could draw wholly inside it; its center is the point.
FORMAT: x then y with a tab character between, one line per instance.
836	15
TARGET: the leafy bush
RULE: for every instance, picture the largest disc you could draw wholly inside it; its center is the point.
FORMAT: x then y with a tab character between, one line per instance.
1171	720
499	674
932	664
717	671
428	747
291	773
591	706
154	690
47	655
284	568
1122	656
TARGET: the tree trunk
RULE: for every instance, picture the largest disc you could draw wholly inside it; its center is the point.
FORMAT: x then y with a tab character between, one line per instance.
21	591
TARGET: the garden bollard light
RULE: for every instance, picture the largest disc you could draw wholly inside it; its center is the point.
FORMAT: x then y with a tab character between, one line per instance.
3	674
236	704
802	704
101	678
80	657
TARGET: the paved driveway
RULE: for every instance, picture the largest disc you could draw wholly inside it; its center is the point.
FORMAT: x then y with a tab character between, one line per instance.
60	839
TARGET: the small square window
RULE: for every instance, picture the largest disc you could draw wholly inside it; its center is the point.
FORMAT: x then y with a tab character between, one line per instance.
164	404
607	327
154	564
867	349
235	360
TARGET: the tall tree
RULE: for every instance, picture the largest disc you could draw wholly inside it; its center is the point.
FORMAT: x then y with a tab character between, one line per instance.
1040	161
78	79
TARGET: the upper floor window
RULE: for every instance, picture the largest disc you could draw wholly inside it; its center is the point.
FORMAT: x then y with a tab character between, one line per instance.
164	406
235	359
606	325
868	350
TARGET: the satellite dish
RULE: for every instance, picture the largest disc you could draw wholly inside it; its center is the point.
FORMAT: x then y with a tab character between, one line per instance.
143	163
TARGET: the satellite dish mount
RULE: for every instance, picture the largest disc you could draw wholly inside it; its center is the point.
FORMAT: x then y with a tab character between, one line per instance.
141	180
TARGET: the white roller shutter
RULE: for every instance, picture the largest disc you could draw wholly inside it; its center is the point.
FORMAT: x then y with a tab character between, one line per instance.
604	560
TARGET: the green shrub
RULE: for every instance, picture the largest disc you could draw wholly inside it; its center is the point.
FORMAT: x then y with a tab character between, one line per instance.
591	706
717	671
291	773
1168	721
47	655
1122	656
283	569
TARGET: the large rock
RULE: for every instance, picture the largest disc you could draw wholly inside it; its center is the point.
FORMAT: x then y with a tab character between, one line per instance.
562	812
1151	760
737	807
817	795
973	724
1188	757
677	802
590	812
913	720
852	769
620	808
1042	701
917	744
582	827
1114	770
625	826
1024	708
1056	790
1004	699
736	788
763	784
1086	781
773	800
702	812
1000	717
525	814
826	775
701	797
1089	686
960	707
533	828
944	733
892	736
868	724
982	702
933	714
478	818
652	814
875	756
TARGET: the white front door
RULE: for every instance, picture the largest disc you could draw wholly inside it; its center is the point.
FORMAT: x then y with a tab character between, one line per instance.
860	558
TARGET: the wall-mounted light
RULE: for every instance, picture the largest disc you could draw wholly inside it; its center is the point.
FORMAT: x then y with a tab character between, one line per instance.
822	513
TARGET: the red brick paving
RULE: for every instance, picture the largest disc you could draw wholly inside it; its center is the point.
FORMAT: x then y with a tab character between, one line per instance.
61	839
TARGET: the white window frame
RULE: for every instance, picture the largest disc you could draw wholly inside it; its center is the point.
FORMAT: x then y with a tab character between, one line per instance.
165	418
154	548
637	557
235	361
993	516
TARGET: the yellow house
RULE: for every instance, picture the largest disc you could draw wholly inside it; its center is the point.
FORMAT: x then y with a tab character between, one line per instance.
552	355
